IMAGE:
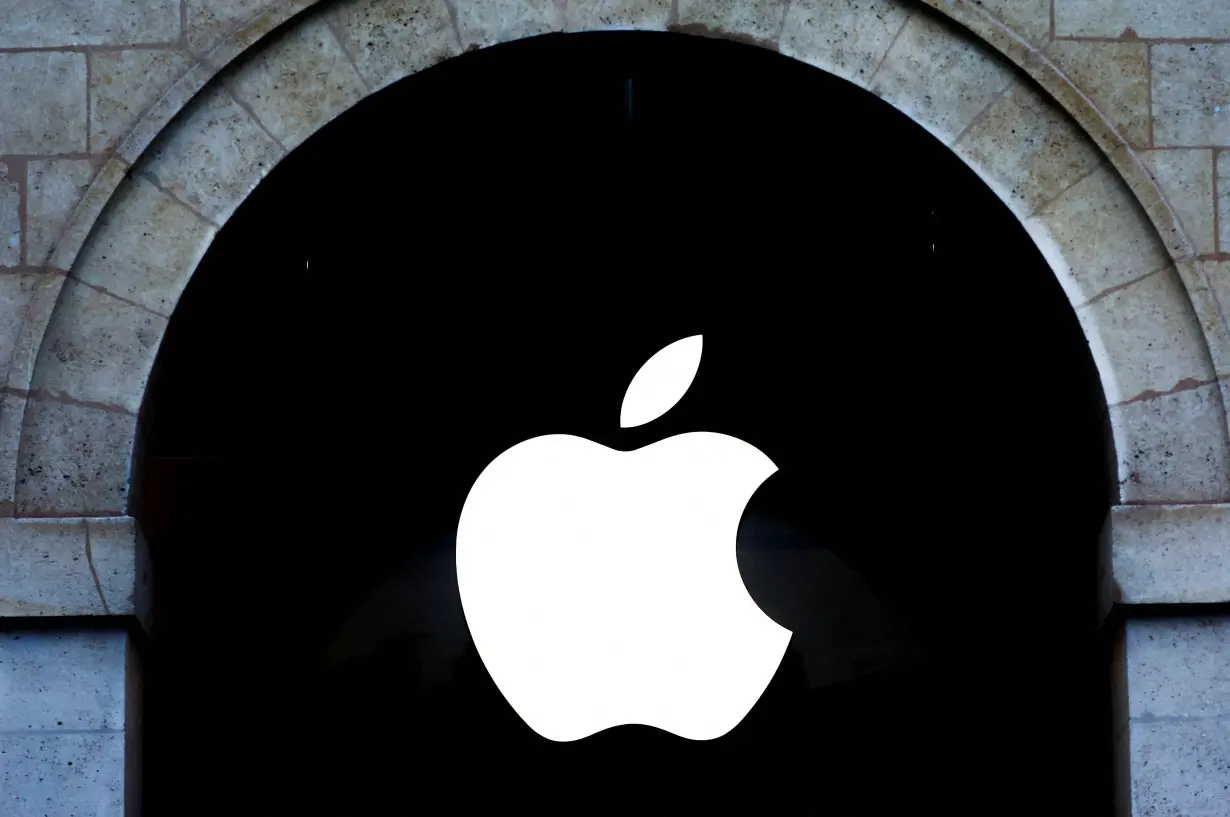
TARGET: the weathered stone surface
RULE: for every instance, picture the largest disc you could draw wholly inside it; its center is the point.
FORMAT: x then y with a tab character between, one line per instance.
39	24
1209	285
486	22
1095	236
1028	19
84	217
98	349
1027	150
298	82
214	158
48	89
1142	18
1171	555
1115	75
121	565
1198	279
46	571
74	460
144	247
62	681
1177	668
209	21
1186	179
1223	200
1191	107
1180	767
847	38
604	15
16	290
390	40
1173	448
55	187
10	216
12	409
759	21
53	775
1147	336
940	77
123	86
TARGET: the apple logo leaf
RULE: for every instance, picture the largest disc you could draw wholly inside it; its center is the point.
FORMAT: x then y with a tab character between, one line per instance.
661	382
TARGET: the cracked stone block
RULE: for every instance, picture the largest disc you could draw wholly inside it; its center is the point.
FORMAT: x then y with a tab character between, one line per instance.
45	570
50	567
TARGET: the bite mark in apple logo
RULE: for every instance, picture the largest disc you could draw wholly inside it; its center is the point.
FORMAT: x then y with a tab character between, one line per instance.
601	587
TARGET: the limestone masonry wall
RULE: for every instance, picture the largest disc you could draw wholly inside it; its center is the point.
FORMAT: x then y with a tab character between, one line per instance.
130	130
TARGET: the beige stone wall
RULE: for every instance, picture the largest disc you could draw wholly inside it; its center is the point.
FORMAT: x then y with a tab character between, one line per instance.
130	131
1111	163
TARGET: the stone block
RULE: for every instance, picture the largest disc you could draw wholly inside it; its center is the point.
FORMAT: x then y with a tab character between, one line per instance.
1186	179
1191	106
1171	554
213	157
847	38
124	85
1172	449
74	460
39	24
62	681
98	349
55	187
940	77
1142	18
49	89
298	82
390	40
1177	667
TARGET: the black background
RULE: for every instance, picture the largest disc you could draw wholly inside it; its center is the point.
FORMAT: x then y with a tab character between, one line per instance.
489	251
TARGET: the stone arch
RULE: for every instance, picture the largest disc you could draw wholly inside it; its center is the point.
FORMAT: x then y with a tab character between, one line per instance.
88	344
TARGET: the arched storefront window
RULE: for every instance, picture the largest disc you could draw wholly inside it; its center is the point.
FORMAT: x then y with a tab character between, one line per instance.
488	251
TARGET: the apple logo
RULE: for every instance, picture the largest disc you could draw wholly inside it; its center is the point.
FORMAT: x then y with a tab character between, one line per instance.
601	587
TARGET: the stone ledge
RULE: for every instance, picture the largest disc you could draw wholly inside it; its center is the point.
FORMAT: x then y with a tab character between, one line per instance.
73	567
1170	554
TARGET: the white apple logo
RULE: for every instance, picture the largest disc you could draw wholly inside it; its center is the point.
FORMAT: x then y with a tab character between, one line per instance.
602	588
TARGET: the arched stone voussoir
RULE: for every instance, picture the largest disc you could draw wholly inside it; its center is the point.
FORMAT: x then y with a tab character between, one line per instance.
941	77
844	39
297	81
1172	449
98	350
1097	238
96	346
74	457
